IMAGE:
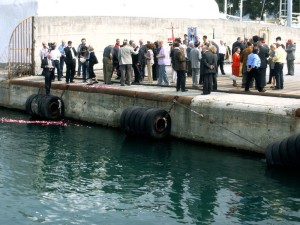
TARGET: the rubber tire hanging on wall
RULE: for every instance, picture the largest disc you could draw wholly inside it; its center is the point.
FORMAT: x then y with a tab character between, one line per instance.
45	106
284	153
148	122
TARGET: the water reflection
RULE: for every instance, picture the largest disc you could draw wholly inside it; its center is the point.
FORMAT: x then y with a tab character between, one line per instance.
94	175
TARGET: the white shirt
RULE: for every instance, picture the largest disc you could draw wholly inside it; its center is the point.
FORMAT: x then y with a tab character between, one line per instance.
72	52
44	53
222	49
55	54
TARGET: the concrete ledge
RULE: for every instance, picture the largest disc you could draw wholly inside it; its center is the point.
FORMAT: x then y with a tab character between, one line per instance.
240	121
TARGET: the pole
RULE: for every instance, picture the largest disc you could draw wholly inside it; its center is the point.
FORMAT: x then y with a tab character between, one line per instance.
289	13
241	10
225	7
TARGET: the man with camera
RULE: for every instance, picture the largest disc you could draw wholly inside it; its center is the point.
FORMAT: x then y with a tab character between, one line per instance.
56	59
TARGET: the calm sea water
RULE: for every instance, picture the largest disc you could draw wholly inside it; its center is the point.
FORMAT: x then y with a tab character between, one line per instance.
85	174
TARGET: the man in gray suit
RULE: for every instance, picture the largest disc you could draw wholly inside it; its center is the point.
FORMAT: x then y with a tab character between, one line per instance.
290	57
125	62
195	58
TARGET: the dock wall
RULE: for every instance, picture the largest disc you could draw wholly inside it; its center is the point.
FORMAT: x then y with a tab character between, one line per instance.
243	122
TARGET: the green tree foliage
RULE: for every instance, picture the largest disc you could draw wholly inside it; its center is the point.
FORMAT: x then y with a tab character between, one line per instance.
256	8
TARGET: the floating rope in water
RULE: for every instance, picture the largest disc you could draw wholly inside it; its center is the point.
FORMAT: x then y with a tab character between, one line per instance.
42	122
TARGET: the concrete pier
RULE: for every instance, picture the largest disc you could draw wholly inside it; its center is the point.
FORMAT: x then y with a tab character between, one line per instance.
227	117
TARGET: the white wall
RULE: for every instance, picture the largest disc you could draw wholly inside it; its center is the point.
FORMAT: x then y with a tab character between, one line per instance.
13	12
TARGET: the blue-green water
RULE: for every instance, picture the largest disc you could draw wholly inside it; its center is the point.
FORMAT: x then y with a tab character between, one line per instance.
85	174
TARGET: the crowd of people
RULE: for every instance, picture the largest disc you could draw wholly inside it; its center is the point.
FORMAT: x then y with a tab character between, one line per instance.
251	61
195	58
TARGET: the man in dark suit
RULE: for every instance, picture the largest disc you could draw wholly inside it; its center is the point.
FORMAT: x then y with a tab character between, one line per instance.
263	53
209	70
48	71
70	61
238	43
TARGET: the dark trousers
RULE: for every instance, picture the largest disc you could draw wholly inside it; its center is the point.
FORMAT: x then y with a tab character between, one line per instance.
48	79
57	66
271	75
85	71
142	70
263	75
215	82
117	68
221	63
180	84
278	75
91	71
79	67
61	65
254	73
201	73
137	73
189	68
207	83
70	71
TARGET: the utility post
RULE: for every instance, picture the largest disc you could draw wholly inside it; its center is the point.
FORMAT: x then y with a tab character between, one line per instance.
289	13
225	7
241	10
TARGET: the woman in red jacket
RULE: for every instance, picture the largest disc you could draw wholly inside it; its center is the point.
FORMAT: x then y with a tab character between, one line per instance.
235	65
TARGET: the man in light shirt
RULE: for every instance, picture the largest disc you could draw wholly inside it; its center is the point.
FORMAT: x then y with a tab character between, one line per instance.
63	56
221	56
279	60
163	60
44	51
55	53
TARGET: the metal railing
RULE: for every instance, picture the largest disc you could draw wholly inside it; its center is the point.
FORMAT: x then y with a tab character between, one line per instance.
21	51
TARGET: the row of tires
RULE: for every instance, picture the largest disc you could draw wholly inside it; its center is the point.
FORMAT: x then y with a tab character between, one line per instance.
45	106
284	153
148	122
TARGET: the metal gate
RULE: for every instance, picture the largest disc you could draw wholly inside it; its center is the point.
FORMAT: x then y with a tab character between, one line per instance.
21	51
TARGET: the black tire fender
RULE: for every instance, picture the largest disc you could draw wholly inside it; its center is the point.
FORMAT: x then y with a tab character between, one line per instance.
158	123
275	154
29	102
269	154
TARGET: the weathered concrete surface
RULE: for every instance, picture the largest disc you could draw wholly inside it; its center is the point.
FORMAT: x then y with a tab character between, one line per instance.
245	122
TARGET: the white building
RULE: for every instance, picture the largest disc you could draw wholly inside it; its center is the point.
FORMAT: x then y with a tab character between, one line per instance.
12	12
